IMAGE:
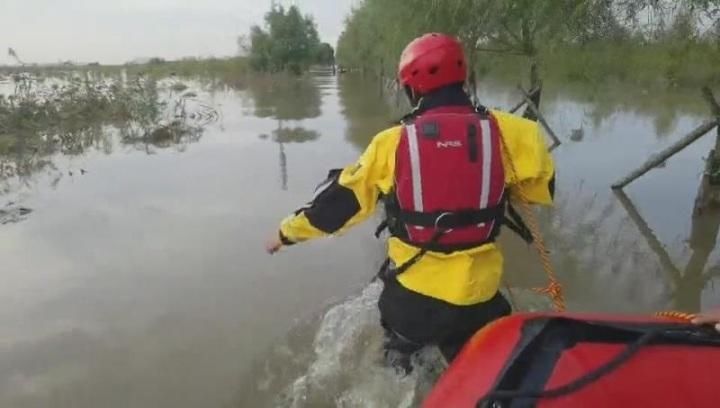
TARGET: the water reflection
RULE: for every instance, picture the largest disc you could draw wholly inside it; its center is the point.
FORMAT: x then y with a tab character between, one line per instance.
286	99
665	123
366	112
283	136
688	282
570	106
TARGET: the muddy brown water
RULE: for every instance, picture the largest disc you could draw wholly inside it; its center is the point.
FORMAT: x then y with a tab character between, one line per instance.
141	281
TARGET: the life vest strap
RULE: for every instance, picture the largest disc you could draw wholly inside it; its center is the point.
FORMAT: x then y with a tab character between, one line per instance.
387	272
514	221
511	219
451	219
381	228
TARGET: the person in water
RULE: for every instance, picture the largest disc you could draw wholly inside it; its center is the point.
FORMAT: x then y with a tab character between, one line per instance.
445	175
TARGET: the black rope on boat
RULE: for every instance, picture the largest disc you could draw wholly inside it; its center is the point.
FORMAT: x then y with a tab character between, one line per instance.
496	397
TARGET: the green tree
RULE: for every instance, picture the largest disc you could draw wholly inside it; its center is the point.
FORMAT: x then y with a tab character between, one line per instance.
289	42
377	30
260	49
325	54
380	28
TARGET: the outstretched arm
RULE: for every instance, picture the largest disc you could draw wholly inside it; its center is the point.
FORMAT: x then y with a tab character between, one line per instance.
346	198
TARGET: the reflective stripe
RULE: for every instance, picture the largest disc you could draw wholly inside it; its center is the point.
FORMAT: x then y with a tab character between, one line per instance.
415	168
487	149
322	187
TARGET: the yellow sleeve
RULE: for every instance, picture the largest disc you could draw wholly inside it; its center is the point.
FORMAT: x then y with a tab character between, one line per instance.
529	168
349	196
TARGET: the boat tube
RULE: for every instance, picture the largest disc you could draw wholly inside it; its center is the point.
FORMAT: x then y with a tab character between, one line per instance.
560	360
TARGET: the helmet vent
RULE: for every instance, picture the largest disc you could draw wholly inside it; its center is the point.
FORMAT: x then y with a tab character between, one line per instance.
433	70
414	73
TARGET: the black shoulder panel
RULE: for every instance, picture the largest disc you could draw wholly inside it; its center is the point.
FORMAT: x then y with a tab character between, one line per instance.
332	207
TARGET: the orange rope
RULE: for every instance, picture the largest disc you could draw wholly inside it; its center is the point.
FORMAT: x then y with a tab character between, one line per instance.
554	290
686	317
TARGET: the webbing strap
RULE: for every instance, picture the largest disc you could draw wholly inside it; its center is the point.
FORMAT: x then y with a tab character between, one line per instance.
381	227
385	269
514	221
451	219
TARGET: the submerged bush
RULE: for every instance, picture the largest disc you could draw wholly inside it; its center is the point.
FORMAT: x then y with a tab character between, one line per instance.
74	104
44	116
40	111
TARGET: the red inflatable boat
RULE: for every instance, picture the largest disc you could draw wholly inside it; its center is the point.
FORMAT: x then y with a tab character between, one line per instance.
566	360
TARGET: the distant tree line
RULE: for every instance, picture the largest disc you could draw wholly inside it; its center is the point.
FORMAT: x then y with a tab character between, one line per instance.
377	30
288	42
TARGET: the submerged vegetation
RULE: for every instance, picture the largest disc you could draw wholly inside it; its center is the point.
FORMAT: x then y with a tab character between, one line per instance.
228	70
42	116
674	43
43	110
55	107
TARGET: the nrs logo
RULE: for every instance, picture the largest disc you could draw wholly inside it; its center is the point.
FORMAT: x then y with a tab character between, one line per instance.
448	144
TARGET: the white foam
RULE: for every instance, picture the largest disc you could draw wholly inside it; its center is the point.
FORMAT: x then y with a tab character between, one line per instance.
346	368
337	361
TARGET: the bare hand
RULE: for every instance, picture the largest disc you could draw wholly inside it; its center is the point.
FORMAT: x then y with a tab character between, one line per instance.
273	245
711	318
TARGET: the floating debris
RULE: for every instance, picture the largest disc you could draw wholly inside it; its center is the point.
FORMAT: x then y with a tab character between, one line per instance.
577	135
12	214
178	87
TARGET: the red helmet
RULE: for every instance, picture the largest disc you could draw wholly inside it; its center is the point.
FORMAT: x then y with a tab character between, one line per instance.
431	62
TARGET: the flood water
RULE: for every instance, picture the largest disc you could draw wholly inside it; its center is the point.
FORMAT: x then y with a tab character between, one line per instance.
139	278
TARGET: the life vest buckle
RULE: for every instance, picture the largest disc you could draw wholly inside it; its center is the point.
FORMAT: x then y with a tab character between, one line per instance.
440	218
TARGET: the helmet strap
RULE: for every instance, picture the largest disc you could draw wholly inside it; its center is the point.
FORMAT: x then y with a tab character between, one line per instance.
412	96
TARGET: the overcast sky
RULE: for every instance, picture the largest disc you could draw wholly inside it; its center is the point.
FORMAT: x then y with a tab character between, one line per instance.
116	31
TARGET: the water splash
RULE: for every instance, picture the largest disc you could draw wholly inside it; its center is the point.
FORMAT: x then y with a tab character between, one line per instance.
336	360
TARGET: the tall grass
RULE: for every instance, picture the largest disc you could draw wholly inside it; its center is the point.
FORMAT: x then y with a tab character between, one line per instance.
229	70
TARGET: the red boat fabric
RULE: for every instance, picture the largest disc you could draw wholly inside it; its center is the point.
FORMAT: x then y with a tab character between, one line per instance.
530	353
